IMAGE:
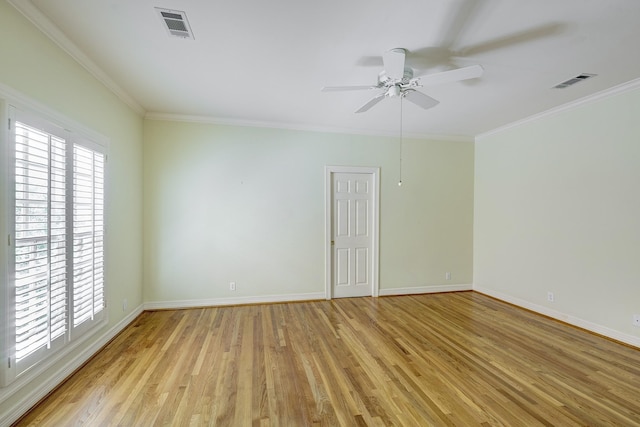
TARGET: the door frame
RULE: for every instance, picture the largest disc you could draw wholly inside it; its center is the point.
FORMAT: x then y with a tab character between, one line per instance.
328	214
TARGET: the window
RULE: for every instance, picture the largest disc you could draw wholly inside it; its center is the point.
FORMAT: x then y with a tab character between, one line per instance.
56	255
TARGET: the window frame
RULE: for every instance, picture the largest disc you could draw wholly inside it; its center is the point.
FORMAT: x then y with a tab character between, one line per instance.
73	133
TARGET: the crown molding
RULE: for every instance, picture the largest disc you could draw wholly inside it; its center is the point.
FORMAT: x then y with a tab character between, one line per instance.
48	28
607	93
300	127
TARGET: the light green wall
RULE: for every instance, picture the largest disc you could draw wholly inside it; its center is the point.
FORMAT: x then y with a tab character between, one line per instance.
245	204
33	66
558	209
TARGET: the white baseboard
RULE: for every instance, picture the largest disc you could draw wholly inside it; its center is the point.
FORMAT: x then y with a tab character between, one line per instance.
425	290
563	317
214	302
43	386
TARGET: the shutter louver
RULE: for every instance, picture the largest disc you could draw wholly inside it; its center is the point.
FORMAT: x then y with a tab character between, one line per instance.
40	240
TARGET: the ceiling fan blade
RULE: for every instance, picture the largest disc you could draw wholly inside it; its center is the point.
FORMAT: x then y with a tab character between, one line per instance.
420	99
449	76
456	22
523	36
346	88
394	63
373	101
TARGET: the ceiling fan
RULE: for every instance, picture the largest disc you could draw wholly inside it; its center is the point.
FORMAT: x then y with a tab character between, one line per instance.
399	80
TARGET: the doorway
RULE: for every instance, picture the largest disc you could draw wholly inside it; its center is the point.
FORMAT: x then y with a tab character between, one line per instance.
351	231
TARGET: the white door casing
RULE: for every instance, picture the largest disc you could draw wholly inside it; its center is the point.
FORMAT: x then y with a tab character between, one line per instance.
351	231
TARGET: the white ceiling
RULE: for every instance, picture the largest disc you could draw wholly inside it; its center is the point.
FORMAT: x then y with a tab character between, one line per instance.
265	62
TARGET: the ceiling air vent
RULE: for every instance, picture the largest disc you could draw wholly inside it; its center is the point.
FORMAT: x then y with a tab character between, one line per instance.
176	23
577	79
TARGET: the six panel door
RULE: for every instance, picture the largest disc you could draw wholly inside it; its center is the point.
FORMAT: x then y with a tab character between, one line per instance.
352	234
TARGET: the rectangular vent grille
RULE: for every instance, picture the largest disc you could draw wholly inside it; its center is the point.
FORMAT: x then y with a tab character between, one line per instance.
577	79
176	23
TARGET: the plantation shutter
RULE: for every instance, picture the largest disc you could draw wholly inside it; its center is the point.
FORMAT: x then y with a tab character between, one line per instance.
88	234
56	271
40	241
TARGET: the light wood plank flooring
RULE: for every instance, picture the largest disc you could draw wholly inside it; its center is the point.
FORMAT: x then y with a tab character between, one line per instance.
456	359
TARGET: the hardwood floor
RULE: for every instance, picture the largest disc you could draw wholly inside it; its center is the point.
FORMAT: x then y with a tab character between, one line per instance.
456	359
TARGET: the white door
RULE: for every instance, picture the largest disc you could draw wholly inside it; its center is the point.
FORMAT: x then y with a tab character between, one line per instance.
352	234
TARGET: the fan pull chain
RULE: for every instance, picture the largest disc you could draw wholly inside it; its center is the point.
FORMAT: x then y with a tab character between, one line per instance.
400	180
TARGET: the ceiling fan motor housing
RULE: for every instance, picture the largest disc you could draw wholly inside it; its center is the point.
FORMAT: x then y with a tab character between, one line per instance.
385	80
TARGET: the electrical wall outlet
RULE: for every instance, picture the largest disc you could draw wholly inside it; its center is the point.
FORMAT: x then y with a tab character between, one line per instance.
232	286
550	297
447	275
124	304
636	320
